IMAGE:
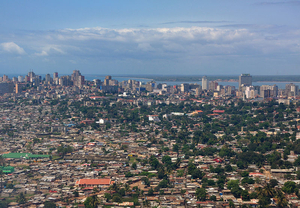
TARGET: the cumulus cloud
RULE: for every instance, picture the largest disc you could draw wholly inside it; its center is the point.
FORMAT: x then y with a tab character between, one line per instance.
50	49
158	43
157	48
155	34
11	47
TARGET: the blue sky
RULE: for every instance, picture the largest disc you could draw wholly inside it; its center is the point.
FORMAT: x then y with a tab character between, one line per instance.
151	37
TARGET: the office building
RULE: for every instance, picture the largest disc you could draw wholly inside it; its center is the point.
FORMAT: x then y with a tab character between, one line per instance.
244	80
291	90
268	91
55	75
185	87
204	83
5	78
20	79
106	80
213	85
47	78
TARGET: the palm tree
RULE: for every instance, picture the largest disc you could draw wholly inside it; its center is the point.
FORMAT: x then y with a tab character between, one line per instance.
146	203
268	191
281	200
114	187
127	187
91	201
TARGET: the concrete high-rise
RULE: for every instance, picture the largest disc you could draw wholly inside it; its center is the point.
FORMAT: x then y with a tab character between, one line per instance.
106	80
213	85
244	80
55	75
268	91
291	90
20	78
47	78
204	83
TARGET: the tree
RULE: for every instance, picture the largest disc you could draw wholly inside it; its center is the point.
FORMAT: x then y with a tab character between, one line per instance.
231	204
201	194
176	148
245	195
91	202
228	168
134	166
150	192
49	204
127	187
21	198
281	200
213	198
273	183
76	194
153	161
117	198
107	196
95	190
289	187
122	192
166	160
146	181
236	191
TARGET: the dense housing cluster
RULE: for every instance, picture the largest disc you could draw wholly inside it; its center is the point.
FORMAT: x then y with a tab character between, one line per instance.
120	145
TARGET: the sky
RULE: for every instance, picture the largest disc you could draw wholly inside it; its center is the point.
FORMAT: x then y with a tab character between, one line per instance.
138	37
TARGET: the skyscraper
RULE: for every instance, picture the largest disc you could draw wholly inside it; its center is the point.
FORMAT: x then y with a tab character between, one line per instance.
291	89
204	83
47	78
106	80
244	80
55	75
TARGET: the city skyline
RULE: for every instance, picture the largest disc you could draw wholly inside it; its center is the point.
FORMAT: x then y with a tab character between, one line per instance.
170	37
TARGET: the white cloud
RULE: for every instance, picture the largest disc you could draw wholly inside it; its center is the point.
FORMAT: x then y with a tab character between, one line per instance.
48	49
156	43
43	53
11	47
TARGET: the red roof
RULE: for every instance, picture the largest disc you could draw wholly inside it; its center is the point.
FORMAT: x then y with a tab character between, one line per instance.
218	111
94	182
253	174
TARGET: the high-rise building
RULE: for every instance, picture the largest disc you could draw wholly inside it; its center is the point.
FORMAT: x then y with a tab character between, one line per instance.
47	78
204	83
106	80
17	88
197	92
80	81
268	91
5	78
250	92
228	90
244	80
213	85
291	89
55	75
20	79
184	87
31	74
27	78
